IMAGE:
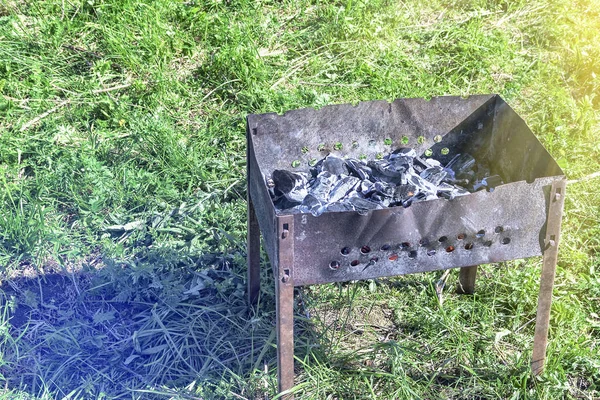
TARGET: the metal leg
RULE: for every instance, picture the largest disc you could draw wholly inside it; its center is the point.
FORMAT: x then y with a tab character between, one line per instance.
285	337
466	280
542	322
253	253
284	288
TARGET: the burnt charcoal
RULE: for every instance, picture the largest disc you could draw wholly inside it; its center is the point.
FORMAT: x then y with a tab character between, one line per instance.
361	204
433	175
421	196
383	189
449	192
343	187
359	169
489	183
282	203
311	201
321	186
289	184
433	162
422	184
381	200
334	165
398	179
402	159
420	165
404	192
366	187
382	170
333	207
312	205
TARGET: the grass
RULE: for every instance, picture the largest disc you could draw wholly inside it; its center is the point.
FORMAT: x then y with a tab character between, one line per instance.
122	198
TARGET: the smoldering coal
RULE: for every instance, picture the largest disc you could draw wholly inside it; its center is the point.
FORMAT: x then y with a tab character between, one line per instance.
400	178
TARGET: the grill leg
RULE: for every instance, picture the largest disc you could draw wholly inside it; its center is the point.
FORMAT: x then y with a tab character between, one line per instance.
253	253
542	322
285	338
284	288
466	280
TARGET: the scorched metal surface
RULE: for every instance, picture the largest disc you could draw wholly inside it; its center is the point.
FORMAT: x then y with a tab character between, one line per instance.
507	223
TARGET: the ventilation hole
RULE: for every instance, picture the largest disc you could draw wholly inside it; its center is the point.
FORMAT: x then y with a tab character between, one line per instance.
404	140
445	151
312	162
354	144
431	252
354	263
461	236
338	146
449	249
443	239
437	138
372	143
304	150
506	240
365	249
334	265
421	139
428	152
385	247
393	257
362	157
387	142
480	234
379	156
405	245
321	147
412	254
469	246
423	242
487	243
345	251
295	163
499	229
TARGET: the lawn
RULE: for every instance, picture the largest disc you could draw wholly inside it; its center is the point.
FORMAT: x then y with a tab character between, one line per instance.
123	204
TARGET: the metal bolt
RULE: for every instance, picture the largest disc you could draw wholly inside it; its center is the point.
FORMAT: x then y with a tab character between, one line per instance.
557	196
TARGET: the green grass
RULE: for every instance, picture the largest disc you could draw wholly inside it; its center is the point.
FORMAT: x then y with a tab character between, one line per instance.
122	198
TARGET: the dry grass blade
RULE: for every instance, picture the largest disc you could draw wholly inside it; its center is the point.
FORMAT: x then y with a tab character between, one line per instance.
43	115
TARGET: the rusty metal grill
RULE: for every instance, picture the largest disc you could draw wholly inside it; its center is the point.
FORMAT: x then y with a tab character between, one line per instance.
508	223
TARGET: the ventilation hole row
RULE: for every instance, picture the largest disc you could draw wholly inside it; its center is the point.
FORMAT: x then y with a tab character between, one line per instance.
412	253
424	242
429	152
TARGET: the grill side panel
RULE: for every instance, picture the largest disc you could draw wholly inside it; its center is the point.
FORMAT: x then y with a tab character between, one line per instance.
263	206
362	131
502	225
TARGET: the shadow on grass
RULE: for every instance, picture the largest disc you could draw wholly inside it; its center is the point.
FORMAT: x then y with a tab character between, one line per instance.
172	325
164	324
